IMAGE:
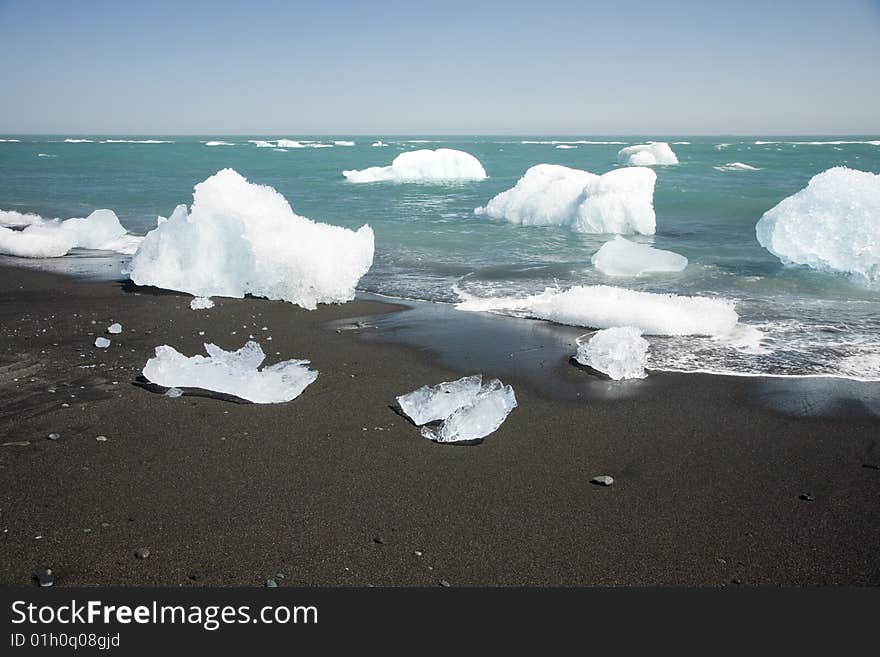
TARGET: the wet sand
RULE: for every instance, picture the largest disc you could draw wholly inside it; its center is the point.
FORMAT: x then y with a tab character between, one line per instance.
336	489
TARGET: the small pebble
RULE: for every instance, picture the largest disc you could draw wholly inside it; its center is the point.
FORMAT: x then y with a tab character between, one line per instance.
142	553
44	577
444	583
418	553
54	436
806	497
101	439
871	466
196	575
379	540
602	480
271	584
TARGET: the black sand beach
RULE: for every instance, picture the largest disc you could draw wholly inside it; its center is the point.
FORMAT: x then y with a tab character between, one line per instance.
337	489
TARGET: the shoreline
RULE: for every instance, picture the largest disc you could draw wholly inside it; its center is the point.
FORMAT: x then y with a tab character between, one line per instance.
336	489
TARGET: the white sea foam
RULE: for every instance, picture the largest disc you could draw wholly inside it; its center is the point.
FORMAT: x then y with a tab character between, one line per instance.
650	154
10	141
870	142
736	166
620	201
45	155
620	257
79	141
243	238
231	372
565	146
343	143
577	141
52	238
620	352
833	224
603	306
443	164
136	141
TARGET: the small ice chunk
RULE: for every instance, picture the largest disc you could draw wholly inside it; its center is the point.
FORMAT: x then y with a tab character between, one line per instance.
201	303
102	343
430	403
115	328
477	419
620	352
173	392
647	155
231	372
620	257
443	164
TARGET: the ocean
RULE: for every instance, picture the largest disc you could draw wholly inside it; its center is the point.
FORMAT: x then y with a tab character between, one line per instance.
431	246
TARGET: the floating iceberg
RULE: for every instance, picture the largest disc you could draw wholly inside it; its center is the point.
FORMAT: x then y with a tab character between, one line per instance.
620	201
620	352
378	144
438	402
443	164
242	238
646	155
736	166
52	238
565	146
469	410
343	143
620	257
231	372
259	143
604	306
833	224
201	303
79	141
219	143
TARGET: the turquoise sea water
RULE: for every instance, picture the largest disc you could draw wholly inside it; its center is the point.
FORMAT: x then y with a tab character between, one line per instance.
428	239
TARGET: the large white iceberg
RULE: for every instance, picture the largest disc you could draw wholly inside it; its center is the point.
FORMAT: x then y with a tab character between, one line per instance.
620	352
833	224
620	257
231	372
646	155
443	164
469	410
604	306
620	201
52	238
242	238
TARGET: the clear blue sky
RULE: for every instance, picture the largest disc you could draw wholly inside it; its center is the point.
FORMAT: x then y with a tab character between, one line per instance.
390	67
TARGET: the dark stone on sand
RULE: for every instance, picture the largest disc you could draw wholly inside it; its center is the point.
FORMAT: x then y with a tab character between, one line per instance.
871	466
44	577
142	553
444	583
271	584
54	436
806	497
197	575
379	540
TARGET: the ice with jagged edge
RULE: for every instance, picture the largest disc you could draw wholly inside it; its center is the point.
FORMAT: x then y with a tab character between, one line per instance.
621	257
425	165
831	225
605	306
620	352
201	303
242	238
468	409
430	403
36	237
231	372
620	201
647	155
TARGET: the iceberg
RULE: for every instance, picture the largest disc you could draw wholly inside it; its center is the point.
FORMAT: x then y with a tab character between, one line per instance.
219	143
443	164
343	143
430	403
646	155
242	238
53	238
201	303
468	409
620	201
477	419
231	372
831	225
377	144
620	257
605	306
736	166
620	352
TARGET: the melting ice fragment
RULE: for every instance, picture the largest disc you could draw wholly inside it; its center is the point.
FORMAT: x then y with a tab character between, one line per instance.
201	303
231	372
53	238
477	419
620	352
430	403
647	155
620	201
833	224
620	257
241	238
443	164
102	343
469	410
114	329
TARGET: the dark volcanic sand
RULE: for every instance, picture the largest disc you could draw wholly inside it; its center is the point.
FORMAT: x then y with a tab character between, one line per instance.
335	488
